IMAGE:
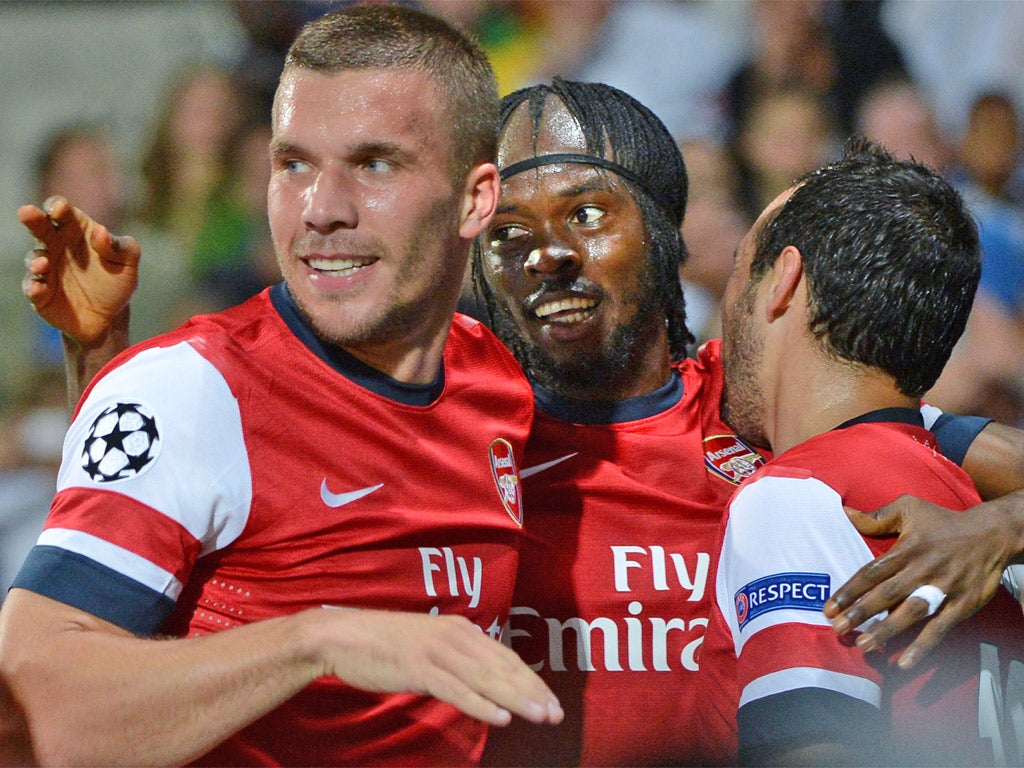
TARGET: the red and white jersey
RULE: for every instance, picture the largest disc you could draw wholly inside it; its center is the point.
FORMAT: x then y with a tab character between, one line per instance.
787	545
624	503
239	469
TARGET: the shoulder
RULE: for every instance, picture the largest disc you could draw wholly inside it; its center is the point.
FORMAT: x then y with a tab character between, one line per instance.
471	344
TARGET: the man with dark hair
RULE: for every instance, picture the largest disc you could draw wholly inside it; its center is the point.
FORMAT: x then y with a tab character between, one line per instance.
847	297
328	470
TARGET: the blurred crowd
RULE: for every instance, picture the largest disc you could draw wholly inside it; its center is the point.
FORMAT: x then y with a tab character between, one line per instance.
154	118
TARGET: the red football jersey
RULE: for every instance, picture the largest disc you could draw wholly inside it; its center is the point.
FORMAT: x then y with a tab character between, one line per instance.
616	568
787	545
238	469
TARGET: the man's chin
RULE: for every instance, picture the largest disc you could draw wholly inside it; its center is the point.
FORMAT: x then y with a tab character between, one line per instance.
576	373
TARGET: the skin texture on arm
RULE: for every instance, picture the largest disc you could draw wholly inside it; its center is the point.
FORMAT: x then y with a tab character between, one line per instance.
79	279
176	699
995	461
963	554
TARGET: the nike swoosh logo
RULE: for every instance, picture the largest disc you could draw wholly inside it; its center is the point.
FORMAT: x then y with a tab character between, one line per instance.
336	500
525	473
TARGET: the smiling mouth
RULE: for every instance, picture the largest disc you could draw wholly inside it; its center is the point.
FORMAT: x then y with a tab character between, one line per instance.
572	310
339	267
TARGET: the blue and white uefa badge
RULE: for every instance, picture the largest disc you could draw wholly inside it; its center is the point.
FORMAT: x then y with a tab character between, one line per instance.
123	442
794	591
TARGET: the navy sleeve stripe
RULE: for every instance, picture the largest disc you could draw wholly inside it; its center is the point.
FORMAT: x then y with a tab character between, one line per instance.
774	724
75	580
956	433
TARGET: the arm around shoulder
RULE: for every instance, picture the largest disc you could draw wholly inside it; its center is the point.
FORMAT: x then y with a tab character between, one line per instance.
995	460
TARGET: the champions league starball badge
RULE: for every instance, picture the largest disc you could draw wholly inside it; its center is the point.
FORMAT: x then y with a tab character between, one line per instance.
123	441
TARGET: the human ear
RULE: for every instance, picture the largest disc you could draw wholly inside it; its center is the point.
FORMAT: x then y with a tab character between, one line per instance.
479	200
787	275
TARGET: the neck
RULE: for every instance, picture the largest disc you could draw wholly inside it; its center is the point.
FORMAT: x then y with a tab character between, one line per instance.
816	395
414	359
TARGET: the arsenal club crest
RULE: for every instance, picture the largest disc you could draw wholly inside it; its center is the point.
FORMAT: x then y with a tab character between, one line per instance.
506	478
730	458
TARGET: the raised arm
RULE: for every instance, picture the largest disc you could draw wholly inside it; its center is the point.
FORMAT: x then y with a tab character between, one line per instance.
79	279
94	694
963	554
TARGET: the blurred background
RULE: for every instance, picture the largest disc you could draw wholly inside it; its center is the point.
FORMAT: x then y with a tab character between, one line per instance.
153	116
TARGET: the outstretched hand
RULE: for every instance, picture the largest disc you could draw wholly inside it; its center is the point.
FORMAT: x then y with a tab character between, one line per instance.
445	656
79	276
961	553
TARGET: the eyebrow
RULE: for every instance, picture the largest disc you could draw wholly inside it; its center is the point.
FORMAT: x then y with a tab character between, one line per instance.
379	149
384	149
278	148
596	184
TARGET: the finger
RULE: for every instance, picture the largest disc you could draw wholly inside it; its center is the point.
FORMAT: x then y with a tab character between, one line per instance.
36	221
123	251
871	581
59	210
449	688
909	613
495	696
499	674
882	522
36	290
101	241
37	261
127	250
932	635
875	601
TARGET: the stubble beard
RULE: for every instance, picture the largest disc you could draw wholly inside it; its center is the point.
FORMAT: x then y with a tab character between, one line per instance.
396	319
599	374
743	406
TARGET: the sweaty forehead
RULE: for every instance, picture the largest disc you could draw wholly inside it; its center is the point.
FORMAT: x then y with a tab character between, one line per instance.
558	132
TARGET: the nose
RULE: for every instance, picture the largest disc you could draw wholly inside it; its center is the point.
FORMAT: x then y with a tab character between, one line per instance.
552	259
330	204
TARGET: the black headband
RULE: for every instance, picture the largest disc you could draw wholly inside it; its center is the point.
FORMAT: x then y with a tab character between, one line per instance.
558	157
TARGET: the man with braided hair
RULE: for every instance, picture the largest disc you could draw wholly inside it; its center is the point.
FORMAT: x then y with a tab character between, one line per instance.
629	464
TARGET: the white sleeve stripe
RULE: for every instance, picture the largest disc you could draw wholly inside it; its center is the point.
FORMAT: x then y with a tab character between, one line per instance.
796	678
116	558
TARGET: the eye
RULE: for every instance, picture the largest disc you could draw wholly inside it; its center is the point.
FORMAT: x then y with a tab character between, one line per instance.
588	215
378	165
505	234
295	166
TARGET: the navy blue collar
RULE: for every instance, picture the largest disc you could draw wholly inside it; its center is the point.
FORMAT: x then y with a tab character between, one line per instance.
345	364
898	415
613	412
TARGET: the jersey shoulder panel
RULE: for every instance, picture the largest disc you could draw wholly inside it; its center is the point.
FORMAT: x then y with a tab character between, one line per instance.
162	415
